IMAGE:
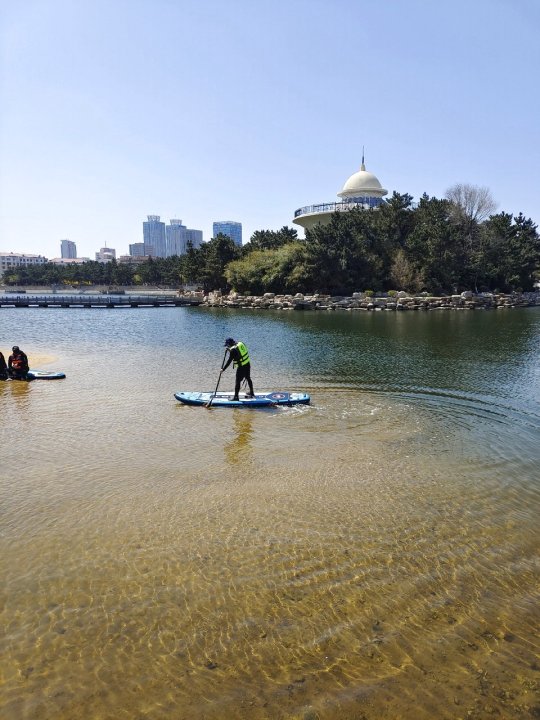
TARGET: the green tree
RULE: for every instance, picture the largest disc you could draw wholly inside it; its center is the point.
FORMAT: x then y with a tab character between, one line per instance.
525	252
469	206
281	270
509	253
191	264
404	275
149	272
394	219
215	256
124	274
433	246
271	239
485	261
347	254
248	274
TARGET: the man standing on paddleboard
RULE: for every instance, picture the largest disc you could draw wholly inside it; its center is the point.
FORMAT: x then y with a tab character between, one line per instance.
238	354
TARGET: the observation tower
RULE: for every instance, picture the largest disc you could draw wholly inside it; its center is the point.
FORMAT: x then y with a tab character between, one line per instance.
361	190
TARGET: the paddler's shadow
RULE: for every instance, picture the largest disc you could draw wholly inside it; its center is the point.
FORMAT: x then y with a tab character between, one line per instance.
239	448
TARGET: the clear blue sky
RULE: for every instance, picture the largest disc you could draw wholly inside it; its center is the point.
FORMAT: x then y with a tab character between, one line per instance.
112	110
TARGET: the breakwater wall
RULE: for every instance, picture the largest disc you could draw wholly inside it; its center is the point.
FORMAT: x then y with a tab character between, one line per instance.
398	302
97	301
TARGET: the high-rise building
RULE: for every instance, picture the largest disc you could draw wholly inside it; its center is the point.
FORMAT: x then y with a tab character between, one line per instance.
136	249
141	250
231	228
176	238
195	237
68	249
154	235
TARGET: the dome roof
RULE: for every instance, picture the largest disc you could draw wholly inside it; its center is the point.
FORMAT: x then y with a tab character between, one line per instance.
362	184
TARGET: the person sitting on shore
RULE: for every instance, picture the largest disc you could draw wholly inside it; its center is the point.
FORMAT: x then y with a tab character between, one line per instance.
238	354
3	367
18	364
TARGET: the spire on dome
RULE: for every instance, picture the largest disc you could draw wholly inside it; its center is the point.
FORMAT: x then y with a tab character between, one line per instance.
362	184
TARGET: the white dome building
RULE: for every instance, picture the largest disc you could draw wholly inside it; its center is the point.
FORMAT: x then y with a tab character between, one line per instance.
361	190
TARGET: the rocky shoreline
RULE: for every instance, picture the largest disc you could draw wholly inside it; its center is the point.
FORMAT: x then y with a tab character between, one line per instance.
399	301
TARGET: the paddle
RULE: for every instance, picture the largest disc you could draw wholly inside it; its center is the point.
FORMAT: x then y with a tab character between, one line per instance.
217	384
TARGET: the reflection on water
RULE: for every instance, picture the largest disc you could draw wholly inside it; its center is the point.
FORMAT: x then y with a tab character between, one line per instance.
238	449
18	392
371	555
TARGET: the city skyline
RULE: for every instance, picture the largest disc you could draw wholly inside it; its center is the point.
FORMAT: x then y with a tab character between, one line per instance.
172	243
431	90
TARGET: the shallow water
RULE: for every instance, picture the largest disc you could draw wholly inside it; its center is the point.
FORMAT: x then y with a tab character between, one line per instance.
373	555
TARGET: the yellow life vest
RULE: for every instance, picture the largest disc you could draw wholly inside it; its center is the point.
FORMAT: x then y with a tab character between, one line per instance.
244	355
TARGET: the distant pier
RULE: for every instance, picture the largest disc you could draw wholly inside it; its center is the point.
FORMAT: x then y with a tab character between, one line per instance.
97	301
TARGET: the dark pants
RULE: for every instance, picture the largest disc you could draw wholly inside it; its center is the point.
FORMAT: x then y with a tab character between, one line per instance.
18	374
243	372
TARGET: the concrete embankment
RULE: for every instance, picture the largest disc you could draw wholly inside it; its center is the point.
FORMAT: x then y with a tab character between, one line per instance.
400	301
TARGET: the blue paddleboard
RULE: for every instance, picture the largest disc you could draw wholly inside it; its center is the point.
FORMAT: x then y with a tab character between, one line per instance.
225	399
45	375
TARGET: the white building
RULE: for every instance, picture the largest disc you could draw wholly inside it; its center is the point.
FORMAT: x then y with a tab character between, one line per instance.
133	259
12	261
361	190
69	261
105	255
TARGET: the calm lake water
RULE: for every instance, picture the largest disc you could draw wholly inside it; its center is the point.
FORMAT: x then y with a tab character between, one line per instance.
373	555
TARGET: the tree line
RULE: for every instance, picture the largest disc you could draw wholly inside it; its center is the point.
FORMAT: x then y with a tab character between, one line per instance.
436	245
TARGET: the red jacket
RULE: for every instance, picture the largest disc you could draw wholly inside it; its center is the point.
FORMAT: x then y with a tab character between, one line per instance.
18	361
